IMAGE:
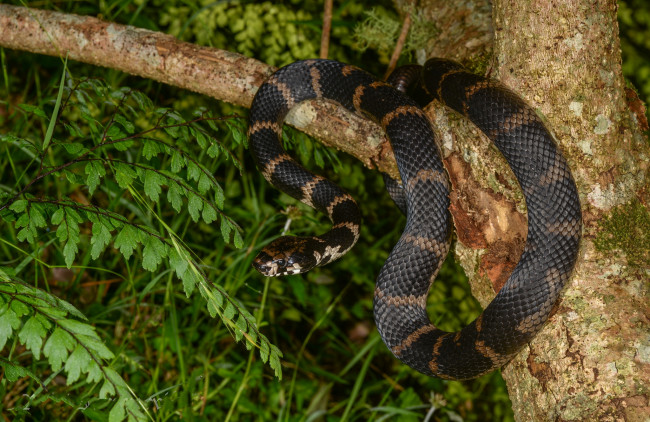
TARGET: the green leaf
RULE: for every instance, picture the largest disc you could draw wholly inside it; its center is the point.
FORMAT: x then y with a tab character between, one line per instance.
57	217
318	158
189	282
74	130
213	309
204	183
36	218
57	346
20	308
114	132
201	140
174	196
238	241
73	148
19	206
127	240
238	134
117	413
229	311
118	381
33	109
14	371
150	149
123	145
264	351
78	327
23	220
106	390
27	234
241	325
99	241
276	351
94	372
226	228
128	126
194	206
143	101
95	171
74	178
213	151
193	171
218	297
209	214
274	362
219	196
178	162
47	324
154	251
124	175
9	321
135	411
152	182
96	346
69	252
76	363
32	335
177	262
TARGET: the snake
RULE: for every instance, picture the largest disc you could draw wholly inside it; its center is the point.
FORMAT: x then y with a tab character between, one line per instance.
523	305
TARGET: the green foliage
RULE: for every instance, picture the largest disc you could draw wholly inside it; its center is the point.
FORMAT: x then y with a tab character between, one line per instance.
381	28
634	21
274	32
44	323
112	152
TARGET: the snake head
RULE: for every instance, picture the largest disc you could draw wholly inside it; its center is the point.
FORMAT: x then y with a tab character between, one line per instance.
286	255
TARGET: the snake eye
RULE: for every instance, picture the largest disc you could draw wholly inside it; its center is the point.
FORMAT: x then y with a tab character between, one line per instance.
281	262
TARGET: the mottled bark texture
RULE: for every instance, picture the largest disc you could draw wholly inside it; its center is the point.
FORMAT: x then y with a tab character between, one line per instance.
592	360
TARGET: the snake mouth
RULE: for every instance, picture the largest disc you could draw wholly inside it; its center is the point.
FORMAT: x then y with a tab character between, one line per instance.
274	269
265	268
284	256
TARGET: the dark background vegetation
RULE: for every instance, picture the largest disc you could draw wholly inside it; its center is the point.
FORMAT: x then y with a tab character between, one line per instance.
168	348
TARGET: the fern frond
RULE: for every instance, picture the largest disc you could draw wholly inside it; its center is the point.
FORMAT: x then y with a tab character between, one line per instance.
46	324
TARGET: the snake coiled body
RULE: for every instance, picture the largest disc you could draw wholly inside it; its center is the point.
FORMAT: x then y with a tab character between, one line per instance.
554	220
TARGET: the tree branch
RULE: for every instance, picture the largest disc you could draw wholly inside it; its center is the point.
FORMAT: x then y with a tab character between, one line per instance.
222	75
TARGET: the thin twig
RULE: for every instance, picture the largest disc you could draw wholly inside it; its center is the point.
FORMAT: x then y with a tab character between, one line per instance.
406	25
327	25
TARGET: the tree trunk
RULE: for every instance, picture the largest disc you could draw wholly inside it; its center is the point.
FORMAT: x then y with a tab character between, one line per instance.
592	360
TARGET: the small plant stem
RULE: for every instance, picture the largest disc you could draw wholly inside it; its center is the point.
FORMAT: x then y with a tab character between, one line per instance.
317	325
406	25
258	317
327	25
358	384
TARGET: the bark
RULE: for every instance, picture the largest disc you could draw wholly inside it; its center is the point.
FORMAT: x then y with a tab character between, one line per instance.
592	360
220	74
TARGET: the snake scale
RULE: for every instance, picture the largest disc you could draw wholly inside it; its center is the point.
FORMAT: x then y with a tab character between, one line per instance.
524	303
